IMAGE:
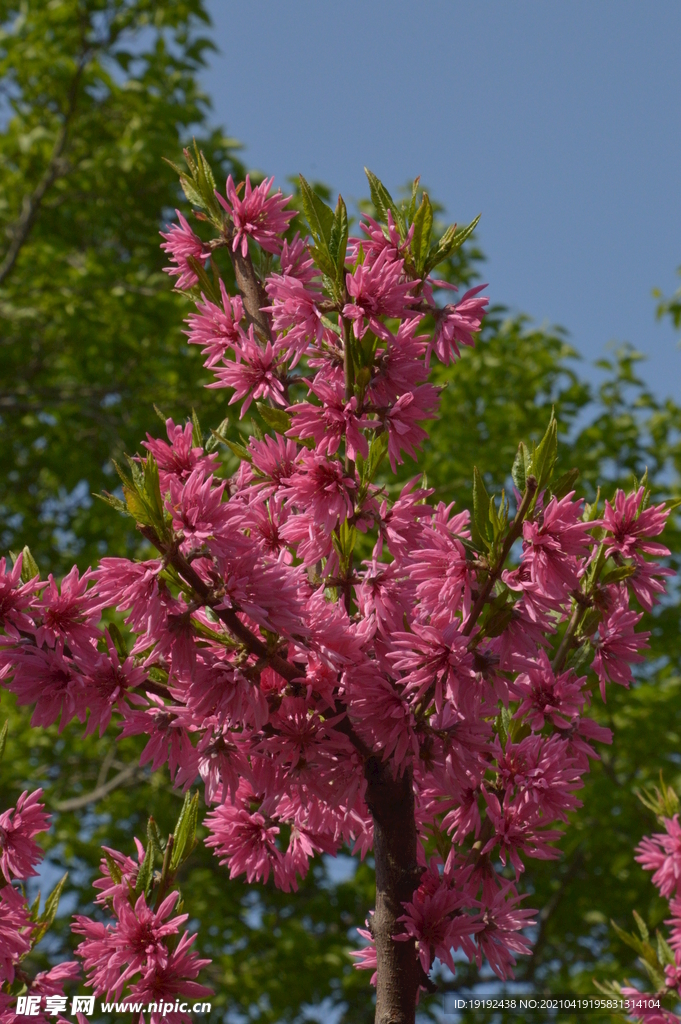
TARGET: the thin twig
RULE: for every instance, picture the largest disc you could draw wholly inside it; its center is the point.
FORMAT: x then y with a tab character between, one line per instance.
76	802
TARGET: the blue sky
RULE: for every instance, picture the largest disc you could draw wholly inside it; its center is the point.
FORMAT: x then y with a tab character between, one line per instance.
558	121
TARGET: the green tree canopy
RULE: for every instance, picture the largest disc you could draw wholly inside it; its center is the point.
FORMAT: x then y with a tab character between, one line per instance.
96	93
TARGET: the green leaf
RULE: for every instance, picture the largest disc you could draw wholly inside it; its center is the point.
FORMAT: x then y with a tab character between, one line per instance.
118	641
377	451
3	738
338	237
322	258
29	566
115	872
565	483
205	285
449	243
318	215
521	467
481	502
278	419
184	836
50	912
216	436
619	573
197	435
146	872
155	838
412	201
383	202
237	449
110	499
545	455
191	192
642	926
423	227
665	954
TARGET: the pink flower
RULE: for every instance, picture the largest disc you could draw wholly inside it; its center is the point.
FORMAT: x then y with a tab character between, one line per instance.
18	853
553	546
430	919
165	983
294	310
378	290
402	421
328	423
243	839
435	661
366	958
647	581
618	645
49	680
501	938
69	612
661	853
258	215
181	243
319	486
15	931
215	328
16	598
543	695
256	372
136	943
456	325
197	508
181	457
630	527
295	260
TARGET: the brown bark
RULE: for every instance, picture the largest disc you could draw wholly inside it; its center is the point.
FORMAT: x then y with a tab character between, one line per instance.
391	802
253	294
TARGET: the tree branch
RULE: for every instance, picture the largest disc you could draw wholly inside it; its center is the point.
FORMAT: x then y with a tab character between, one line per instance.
99	792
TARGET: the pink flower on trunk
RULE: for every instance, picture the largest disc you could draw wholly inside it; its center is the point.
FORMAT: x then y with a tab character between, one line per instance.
181	243
501	937
215	328
429	919
258	215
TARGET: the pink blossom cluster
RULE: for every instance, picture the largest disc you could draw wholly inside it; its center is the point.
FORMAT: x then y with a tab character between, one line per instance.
141	953
660	854
19	930
300	619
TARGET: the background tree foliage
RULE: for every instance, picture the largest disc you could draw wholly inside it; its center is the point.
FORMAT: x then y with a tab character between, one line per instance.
97	92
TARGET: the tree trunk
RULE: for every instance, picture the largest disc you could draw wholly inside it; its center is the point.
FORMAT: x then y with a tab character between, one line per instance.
391	802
